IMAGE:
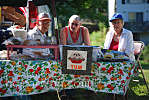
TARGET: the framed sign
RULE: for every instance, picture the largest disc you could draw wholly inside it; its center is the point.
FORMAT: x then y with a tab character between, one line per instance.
77	60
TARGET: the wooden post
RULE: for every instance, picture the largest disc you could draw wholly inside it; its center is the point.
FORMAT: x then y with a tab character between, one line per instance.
55	20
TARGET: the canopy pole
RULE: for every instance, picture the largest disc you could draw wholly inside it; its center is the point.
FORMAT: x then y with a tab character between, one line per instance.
27	15
55	20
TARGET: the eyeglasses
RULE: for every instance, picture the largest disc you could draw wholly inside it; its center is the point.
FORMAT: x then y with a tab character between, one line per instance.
45	22
116	22
76	24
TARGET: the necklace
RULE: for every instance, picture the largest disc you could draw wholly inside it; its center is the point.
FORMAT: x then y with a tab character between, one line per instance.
116	38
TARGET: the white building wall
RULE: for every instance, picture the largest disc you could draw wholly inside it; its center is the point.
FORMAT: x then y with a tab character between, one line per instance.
124	9
111	8
146	15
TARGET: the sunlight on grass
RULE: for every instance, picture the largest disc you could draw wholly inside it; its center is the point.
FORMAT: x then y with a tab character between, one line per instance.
145	66
146	73
98	38
140	90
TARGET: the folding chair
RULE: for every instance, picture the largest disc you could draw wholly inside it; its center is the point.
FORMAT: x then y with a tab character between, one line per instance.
138	48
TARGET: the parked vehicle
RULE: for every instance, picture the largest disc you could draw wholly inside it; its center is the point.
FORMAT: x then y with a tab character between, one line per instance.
22	15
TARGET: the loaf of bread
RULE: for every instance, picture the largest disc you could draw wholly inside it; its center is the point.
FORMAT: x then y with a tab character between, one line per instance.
108	55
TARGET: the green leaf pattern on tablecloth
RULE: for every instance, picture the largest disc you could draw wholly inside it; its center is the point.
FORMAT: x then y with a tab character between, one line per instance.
32	77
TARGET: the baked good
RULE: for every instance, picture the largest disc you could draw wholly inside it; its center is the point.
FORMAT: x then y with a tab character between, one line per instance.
108	55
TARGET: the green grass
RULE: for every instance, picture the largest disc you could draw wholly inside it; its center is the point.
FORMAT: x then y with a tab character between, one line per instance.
145	67
97	38
146	73
137	89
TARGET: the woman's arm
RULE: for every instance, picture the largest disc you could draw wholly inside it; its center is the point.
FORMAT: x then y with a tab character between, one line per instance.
86	36
129	50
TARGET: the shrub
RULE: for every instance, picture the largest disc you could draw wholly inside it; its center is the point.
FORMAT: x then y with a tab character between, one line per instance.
146	54
98	37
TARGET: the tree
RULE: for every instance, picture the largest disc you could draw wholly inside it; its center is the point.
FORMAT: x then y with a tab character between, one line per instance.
95	10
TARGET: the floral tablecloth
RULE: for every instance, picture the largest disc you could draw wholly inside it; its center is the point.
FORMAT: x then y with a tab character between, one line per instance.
33	77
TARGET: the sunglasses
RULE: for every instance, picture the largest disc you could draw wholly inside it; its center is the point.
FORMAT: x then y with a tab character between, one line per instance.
76	24
116	22
45	22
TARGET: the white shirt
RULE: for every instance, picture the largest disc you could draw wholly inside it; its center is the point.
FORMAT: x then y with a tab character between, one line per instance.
35	34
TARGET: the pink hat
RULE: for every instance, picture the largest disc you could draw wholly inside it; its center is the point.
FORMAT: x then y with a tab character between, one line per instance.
44	16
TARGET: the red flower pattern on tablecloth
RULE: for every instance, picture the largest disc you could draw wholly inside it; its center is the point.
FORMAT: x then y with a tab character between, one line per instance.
120	72
25	66
47	71
39	87
127	77
72	82
17	89
55	74
129	73
122	82
39	68
1	72
10	73
53	84
98	64
19	78
76	83
36	72
31	70
3	81
20	63
103	69
109	71
3	91
87	78
112	78
110	86
38	76
89	84
50	78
